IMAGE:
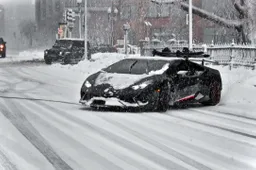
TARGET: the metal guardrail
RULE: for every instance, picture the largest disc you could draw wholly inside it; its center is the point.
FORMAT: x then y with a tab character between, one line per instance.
233	55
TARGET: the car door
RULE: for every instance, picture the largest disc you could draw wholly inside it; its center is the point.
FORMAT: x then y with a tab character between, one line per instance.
195	77
181	80
187	79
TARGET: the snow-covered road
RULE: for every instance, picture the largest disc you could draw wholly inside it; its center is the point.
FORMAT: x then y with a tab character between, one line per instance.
42	126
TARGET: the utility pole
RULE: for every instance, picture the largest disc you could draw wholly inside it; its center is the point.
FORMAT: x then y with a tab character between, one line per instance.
79	3
190	26
85	31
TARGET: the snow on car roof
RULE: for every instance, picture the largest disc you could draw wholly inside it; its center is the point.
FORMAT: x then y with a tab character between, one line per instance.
156	58
72	39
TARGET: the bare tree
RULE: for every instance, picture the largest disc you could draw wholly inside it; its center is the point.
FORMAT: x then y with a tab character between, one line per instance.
241	17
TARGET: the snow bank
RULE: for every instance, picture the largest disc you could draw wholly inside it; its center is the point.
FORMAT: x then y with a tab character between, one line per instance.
99	61
23	56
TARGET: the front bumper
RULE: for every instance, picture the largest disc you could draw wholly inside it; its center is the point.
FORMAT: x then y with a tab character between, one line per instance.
102	102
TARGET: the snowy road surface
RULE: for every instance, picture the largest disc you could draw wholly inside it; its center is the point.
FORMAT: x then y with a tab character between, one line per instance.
55	132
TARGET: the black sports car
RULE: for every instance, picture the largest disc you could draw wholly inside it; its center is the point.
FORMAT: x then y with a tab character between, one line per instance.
66	51
152	83
2	48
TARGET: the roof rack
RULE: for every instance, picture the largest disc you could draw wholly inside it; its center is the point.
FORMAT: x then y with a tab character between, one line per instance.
185	53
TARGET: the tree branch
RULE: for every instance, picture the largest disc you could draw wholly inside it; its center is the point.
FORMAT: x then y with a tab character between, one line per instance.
240	7
212	17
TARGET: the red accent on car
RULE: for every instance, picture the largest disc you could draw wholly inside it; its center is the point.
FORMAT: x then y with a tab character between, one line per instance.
186	98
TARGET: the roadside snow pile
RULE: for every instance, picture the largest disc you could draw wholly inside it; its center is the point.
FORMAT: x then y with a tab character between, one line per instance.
238	85
31	55
25	56
99	61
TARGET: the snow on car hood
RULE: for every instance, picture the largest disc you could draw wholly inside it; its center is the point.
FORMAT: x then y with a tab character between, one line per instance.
118	81
122	81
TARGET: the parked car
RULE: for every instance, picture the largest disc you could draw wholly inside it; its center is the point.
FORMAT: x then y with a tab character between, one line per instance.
2	48
152	83
103	48
65	51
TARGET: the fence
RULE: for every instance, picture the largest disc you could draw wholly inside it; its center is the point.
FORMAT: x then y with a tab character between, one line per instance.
233	55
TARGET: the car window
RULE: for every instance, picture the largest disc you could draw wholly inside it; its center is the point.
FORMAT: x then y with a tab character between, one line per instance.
61	43
79	44
122	67
187	68
140	67
136	66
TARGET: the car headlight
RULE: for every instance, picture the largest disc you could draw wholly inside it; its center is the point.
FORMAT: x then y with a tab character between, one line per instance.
142	85
46	51
60	53
87	84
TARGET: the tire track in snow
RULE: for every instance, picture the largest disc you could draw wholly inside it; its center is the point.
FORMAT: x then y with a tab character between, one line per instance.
182	117
6	163
239	114
162	147
32	135
47	122
118	139
227	116
184	144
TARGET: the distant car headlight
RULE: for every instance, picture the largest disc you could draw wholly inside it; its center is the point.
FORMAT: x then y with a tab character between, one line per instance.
142	85
87	84
60	53
46	52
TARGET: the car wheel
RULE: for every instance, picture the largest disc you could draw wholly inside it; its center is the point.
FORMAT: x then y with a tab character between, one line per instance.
215	94
164	98
66	60
48	61
4	55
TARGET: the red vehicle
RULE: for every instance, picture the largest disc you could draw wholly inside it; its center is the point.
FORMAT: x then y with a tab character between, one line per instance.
2	48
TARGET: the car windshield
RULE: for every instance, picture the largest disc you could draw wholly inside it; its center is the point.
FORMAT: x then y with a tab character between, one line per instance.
136	66
62	44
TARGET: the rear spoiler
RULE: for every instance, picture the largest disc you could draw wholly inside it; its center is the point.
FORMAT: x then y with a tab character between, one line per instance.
185	53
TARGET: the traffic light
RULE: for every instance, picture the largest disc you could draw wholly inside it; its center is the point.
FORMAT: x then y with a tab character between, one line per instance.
70	16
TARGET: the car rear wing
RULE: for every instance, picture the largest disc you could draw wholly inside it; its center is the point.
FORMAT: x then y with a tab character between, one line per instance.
185	53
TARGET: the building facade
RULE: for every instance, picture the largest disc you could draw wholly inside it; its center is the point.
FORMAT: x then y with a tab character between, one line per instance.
49	13
2	21
146	19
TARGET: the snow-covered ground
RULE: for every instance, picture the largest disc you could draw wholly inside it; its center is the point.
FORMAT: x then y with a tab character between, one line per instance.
40	134
34	55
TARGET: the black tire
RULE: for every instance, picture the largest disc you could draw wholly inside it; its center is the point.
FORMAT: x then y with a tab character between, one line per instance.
66	60
48	61
164	98
215	94
3	55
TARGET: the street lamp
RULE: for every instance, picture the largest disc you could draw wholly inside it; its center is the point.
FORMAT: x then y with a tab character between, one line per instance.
112	13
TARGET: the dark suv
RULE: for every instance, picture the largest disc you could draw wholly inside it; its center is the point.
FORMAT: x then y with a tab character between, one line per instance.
66	51
2	48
